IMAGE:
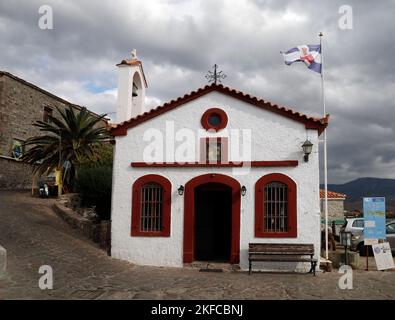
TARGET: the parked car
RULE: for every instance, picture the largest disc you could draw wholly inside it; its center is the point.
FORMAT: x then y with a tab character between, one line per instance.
358	244
353	225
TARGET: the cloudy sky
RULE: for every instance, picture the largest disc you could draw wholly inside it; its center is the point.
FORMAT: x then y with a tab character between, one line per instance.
179	40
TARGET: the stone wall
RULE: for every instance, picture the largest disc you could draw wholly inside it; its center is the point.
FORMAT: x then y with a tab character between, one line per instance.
21	105
335	208
14	175
97	231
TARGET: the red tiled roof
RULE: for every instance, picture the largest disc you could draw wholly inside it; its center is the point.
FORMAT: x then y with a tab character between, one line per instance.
310	122
332	195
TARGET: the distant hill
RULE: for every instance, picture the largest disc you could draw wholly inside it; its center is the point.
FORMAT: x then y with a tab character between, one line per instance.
366	187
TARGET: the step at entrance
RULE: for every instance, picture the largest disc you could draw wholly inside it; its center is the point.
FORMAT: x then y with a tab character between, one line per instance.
204	266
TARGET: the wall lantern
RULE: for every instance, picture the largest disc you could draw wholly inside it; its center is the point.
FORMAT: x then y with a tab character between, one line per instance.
135	91
243	190
307	147
181	190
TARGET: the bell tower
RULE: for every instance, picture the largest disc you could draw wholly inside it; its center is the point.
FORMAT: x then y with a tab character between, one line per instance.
131	88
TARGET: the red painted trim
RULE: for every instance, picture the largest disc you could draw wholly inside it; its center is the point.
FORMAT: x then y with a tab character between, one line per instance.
184	165
214	111
278	163
166	209
309	122
283	163
189	214
260	206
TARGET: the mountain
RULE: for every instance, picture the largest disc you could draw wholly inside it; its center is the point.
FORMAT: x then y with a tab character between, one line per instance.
366	187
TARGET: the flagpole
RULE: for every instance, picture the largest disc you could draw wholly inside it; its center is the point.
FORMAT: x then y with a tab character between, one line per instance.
325	152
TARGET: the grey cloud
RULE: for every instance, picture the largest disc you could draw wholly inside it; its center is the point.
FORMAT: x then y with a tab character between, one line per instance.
179	41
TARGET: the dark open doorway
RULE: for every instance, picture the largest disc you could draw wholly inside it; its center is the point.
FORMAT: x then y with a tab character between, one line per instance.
213	224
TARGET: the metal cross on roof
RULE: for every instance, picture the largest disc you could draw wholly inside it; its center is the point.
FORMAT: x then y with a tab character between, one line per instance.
215	76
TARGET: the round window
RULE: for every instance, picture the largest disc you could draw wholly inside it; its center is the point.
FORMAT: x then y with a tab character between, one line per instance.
214	119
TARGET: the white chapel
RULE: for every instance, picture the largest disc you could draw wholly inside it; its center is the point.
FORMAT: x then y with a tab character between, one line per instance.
205	174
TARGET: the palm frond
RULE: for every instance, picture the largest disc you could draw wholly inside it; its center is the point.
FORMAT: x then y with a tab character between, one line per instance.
71	137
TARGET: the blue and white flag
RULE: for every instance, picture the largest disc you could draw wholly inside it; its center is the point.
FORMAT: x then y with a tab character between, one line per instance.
309	54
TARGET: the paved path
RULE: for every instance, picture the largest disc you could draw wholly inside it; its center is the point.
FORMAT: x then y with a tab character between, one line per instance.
33	236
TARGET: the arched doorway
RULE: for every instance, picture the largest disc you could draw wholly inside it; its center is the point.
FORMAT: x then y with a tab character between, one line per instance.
212	219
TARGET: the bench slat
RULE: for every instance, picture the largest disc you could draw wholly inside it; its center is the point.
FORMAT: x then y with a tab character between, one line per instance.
301	253
281	258
281	248
281	244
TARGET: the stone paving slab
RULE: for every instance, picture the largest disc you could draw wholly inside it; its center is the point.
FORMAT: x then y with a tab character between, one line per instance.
34	236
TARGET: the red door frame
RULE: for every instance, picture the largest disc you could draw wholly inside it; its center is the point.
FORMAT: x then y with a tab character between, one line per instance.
189	214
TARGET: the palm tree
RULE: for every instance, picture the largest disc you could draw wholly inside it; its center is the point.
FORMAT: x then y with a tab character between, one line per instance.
68	140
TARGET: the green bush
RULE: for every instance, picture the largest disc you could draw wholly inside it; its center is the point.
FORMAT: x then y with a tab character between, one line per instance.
94	186
94	181
103	157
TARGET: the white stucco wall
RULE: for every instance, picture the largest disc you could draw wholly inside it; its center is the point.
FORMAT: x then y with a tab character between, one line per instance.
127	105
274	137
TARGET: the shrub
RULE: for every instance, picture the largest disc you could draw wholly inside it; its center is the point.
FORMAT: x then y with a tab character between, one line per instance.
94	181
94	186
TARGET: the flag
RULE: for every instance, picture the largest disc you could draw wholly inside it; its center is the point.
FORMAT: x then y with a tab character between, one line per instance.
309	54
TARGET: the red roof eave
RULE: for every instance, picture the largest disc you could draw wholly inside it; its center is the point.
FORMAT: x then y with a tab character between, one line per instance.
310	122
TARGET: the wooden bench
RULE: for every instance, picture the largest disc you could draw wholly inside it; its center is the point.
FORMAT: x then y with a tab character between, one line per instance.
282	252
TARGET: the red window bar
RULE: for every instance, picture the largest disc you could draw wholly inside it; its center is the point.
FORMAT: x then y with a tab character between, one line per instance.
276	205
151	207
